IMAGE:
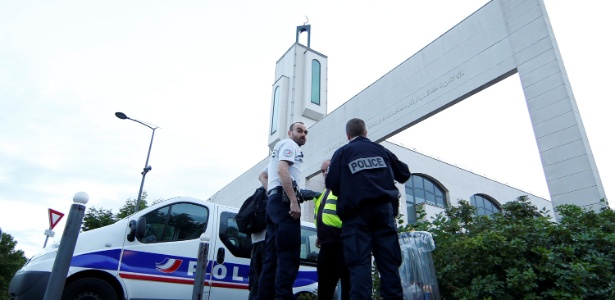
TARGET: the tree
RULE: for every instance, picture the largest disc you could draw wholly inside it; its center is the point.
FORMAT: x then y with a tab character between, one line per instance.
96	218
129	207
522	254
11	260
99	217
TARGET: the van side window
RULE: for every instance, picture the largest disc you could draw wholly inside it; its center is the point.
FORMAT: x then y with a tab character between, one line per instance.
309	251
177	222
240	244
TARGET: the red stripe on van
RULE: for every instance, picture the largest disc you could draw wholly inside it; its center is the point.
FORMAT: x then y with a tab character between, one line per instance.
182	281
156	278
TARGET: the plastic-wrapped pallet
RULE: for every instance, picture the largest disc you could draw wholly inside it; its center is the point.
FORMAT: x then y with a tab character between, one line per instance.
417	271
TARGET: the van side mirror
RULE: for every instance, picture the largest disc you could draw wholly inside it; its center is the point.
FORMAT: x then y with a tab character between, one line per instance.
133	229
140	231
220	256
137	229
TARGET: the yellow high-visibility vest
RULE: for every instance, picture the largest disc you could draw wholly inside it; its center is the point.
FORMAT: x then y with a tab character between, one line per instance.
329	211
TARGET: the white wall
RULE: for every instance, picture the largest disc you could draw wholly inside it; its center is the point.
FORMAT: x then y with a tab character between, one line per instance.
459	184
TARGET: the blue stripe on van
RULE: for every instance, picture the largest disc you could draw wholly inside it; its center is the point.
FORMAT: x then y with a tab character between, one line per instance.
103	260
148	266
306	278
181	267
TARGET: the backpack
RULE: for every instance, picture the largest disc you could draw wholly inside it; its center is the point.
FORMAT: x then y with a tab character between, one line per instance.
252	216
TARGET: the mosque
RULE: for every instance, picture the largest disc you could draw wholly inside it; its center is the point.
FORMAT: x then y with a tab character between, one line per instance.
502	38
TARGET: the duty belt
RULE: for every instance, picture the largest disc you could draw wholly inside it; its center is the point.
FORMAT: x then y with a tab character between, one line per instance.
275	190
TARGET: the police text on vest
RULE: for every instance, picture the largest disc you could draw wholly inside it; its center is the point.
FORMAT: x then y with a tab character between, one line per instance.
366	163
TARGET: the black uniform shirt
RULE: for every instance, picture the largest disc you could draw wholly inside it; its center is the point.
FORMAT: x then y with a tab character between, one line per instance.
363	172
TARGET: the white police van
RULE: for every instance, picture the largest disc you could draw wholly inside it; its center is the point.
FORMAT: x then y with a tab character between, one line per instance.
153	255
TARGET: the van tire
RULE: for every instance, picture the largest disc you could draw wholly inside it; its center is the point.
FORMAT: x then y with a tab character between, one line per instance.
89	289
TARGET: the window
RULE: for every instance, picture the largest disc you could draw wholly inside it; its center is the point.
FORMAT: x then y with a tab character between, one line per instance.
274	112
240	244
177	222
485	205
420	189
315	82
309	251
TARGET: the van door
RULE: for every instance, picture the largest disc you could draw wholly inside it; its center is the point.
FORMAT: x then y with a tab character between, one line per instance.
231	249
162	263
307	278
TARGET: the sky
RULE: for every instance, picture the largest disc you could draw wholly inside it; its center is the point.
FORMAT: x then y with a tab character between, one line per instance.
202	71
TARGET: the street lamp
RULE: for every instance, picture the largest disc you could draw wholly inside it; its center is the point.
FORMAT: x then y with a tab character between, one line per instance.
147	168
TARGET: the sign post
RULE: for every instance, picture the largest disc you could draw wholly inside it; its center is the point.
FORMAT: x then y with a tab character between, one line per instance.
57	279
54	218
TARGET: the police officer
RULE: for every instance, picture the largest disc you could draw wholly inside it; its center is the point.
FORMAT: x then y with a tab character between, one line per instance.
363	174
283	237
330	267
257	256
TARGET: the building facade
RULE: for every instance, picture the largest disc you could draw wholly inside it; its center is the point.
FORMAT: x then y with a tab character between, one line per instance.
500	39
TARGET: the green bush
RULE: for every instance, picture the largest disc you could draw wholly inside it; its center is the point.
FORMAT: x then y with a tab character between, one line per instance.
307	296
521	253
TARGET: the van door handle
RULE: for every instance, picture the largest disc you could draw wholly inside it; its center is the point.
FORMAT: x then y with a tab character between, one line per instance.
220	256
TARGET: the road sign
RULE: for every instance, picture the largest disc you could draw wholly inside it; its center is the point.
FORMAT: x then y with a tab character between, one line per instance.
54	217
49	233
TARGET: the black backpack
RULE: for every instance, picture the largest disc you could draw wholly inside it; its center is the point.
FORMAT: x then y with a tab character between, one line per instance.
252	216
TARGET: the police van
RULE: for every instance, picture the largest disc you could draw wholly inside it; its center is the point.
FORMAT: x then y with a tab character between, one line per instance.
152	254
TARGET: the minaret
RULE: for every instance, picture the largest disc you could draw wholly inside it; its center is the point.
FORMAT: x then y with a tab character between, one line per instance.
299	91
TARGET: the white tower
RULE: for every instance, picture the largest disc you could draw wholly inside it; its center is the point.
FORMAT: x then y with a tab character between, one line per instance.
299	91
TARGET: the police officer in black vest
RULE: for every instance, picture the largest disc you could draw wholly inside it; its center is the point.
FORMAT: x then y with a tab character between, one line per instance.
362	174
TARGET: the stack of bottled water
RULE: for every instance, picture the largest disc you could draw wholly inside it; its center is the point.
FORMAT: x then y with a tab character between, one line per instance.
417	271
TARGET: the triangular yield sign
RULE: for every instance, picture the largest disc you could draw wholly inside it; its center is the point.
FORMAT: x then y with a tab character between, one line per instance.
54	217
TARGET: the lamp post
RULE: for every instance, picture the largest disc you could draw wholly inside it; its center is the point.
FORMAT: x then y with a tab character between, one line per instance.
147	167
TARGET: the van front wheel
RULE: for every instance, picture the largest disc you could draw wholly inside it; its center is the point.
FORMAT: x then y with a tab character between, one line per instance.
89	289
